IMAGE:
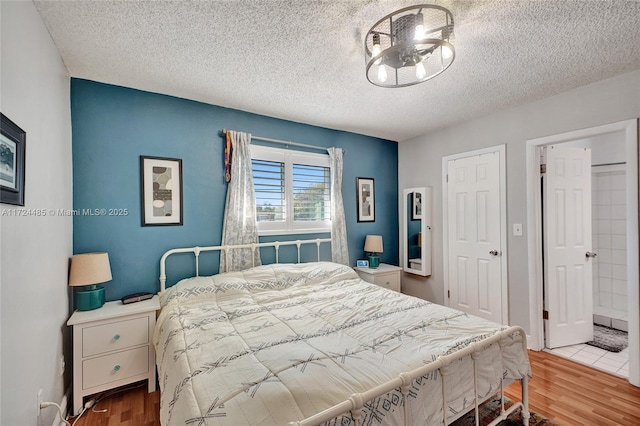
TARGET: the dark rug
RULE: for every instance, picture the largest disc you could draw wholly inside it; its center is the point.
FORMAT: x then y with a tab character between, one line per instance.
609	339
491	409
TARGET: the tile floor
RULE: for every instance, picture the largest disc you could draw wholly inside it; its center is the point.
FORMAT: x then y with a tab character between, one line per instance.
611	362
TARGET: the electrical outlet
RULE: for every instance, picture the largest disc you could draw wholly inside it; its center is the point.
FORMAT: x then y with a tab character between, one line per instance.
62	365
39	402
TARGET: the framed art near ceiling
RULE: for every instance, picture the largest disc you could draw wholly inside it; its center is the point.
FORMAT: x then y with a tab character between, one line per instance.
416	206
12	150
365	199
161	190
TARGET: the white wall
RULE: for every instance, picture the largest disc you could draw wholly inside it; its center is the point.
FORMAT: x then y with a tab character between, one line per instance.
606	101
34	251
606	148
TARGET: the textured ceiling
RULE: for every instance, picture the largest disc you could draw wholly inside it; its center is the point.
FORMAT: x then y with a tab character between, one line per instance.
303	60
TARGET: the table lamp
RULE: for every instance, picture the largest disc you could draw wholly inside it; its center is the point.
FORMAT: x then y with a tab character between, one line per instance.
373	245
88	270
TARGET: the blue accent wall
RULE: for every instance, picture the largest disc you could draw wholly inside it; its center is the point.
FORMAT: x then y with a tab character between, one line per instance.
113	126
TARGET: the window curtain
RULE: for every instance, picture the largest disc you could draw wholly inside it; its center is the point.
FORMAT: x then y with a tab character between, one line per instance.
240	210
339	248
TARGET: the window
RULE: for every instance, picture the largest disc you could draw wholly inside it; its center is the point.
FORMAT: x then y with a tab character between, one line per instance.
293	191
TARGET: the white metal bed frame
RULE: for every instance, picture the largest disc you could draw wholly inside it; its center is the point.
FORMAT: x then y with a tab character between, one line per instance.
225	249
355	403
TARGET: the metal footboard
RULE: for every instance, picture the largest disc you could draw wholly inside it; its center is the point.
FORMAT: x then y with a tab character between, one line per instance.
355	403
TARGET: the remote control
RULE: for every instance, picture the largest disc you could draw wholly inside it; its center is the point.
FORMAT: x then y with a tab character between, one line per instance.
136	297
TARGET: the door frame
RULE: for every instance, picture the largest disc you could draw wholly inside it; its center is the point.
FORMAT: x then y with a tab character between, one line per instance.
501	150
534	229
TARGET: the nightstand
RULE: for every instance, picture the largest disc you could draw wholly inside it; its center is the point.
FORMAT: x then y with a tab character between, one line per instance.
112	347
387	276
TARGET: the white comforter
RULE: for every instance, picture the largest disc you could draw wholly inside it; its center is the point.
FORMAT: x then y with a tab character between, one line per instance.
279	343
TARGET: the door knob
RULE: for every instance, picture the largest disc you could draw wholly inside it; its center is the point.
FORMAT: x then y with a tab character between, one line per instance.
494	252
591	254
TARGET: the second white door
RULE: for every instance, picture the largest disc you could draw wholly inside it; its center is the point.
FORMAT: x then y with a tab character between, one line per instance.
474	235
568	296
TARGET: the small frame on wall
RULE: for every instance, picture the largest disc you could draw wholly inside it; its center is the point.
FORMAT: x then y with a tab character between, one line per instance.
161	190
416	206
365	199
12	160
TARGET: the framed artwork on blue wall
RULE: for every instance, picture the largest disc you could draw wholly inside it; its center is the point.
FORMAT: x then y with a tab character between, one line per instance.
365	200
12	150
161	190
416	206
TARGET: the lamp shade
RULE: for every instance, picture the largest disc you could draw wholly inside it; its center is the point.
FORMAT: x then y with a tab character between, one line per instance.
373	244
89	268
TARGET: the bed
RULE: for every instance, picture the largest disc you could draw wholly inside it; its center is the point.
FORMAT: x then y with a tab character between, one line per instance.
311	343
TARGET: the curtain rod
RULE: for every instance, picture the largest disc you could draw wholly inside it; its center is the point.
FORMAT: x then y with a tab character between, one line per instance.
609	164
304	145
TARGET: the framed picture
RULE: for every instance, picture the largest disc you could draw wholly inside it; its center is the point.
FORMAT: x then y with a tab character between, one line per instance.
362	263
416	206
161	190
12	150
365	199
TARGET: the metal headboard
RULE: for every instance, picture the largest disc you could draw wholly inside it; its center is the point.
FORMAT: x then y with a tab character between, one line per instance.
197	250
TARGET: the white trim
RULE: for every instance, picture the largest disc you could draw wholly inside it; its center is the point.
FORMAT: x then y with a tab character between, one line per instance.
609	168
288	158
528	342
57	421
501	150
534	228
275	232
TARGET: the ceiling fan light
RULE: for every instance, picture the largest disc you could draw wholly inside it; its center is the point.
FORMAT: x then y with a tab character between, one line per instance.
375	51
382	74
420	71
419	35
403	40
446	52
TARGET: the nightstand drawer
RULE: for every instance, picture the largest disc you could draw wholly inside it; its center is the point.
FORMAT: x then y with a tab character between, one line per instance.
118	366
114	336
390	281
387	276
112	347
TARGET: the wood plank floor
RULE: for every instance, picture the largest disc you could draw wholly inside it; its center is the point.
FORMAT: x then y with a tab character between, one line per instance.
573	394
562	390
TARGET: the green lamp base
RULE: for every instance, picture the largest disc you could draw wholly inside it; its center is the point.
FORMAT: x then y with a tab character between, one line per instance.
87	300
374	261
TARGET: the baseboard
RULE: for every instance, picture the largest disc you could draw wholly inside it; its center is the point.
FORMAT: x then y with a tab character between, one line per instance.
529	345
57	421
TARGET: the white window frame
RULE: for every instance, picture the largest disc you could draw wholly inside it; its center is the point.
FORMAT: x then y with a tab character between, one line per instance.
288	158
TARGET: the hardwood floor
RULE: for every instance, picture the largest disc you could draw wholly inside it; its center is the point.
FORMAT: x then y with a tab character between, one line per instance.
562	390
135	407
573	394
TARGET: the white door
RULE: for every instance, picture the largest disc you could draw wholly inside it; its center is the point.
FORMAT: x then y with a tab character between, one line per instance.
474	250
567	253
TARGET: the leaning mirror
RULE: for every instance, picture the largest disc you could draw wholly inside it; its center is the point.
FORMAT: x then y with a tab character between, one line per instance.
416	231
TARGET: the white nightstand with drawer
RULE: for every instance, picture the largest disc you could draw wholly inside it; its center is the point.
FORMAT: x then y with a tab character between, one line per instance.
112	347
387	276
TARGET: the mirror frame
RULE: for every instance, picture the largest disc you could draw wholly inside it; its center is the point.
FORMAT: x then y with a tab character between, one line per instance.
425	228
